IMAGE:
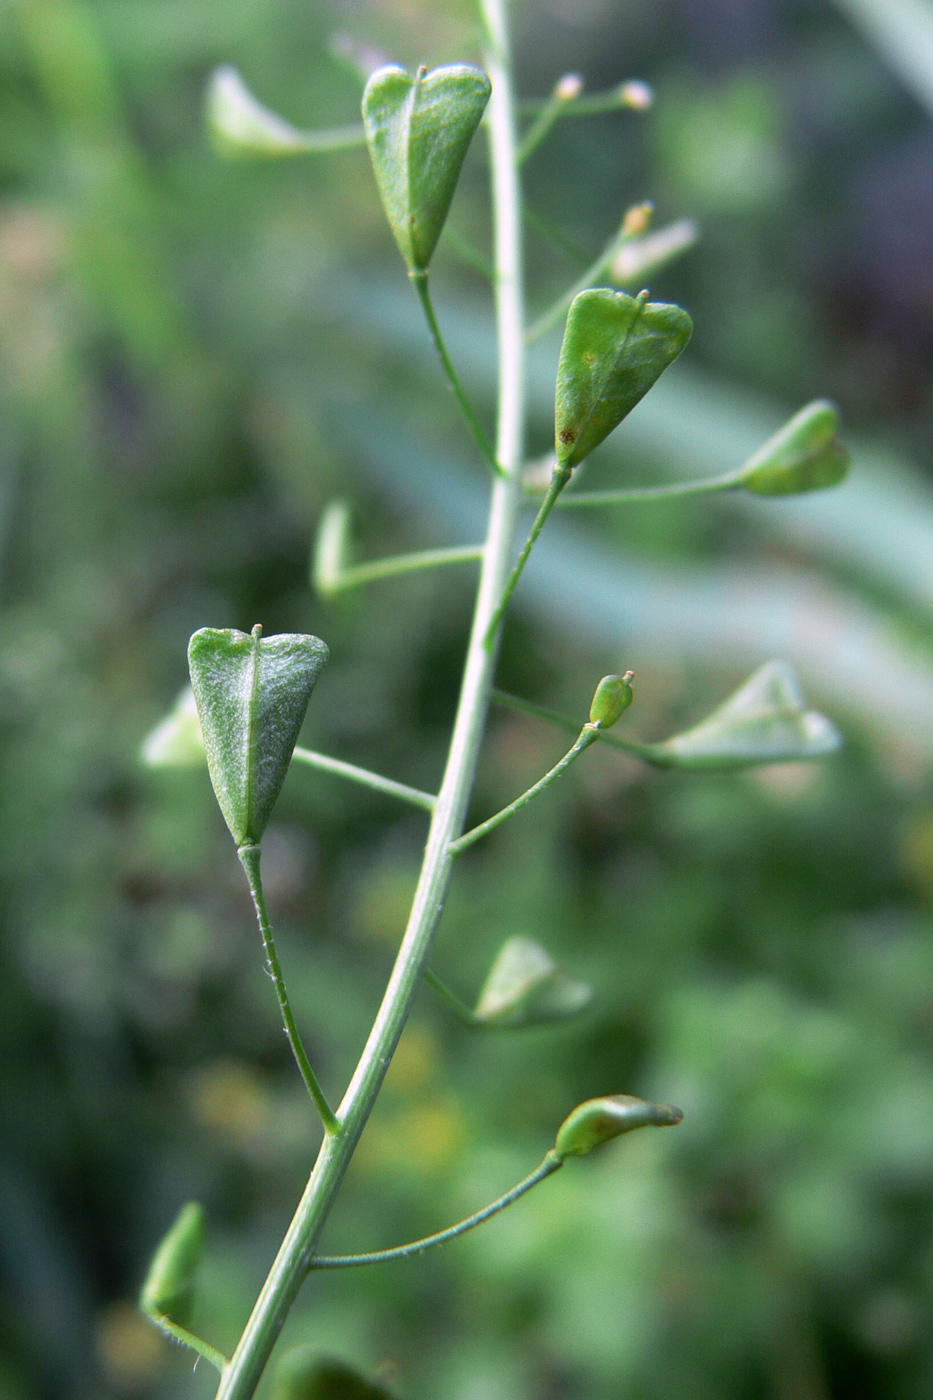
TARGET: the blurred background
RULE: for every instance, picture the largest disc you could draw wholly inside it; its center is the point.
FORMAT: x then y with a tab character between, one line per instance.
195	356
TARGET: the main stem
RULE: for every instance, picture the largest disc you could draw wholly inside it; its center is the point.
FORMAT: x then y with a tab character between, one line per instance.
241	1377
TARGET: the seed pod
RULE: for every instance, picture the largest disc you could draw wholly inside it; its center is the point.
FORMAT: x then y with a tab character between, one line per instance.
305	1374
598	1120
176	741
765	721
241	126
615	347
419	130
170	1283
612	698
804	455
252	694
526	988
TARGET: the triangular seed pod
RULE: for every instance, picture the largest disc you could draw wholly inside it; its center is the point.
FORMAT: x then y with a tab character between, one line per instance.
615	347
170	1283
804	455
241	126
598	1120
252	694
765	721
176	741
526	988
612	698
418	130
304	1374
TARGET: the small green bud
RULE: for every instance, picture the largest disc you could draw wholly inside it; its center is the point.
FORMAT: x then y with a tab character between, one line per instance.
804	455
418	130
305	1374
525	988
170	1283
615	348
241	126
252	694
176	741
613	697
597	1120
765	721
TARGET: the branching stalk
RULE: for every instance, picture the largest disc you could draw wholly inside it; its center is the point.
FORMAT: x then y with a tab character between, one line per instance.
295	1255
250	858
420	280
378	569
365	778
559	480
187	1339
551	1164
588	735
637	494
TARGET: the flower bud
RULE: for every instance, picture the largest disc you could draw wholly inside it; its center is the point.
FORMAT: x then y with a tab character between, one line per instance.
598	1120
636	94
612	698
170	1283
568	88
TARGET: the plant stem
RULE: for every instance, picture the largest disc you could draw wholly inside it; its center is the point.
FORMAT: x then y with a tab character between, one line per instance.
551	1164
649	753
378	569
188	1339
250	858
458	1007
559	480
291	1264
376	781
586	279
588	735
420	280
728	482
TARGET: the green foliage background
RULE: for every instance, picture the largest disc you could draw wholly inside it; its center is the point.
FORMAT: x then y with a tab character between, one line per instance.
195	357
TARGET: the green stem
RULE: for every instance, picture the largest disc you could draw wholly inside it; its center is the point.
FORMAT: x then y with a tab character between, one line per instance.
551	1164
420	280
586	279
188	1339
333	138
403	564
540	128
376	781
649	753
554	235
728	482
296	1251
467	252
250	858
594	105
458	1007
558	481
588	735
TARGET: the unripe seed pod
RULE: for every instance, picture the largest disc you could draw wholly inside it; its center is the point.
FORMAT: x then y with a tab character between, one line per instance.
612	698
804	455
169	1287
598	1120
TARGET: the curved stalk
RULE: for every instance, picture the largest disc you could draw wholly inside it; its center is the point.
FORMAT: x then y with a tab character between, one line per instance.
242	1375
551	1164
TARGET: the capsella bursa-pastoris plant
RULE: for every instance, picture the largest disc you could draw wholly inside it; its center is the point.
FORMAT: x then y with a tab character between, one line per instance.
251	692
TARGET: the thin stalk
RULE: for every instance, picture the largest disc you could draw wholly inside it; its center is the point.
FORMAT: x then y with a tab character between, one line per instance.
458	1007
551	1164
588	735
420	280
377	569
297	1249
558	481
540	127
596	103
554	235
365	778
467	252
188	1339
250	859
649	753
586	279
635	495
